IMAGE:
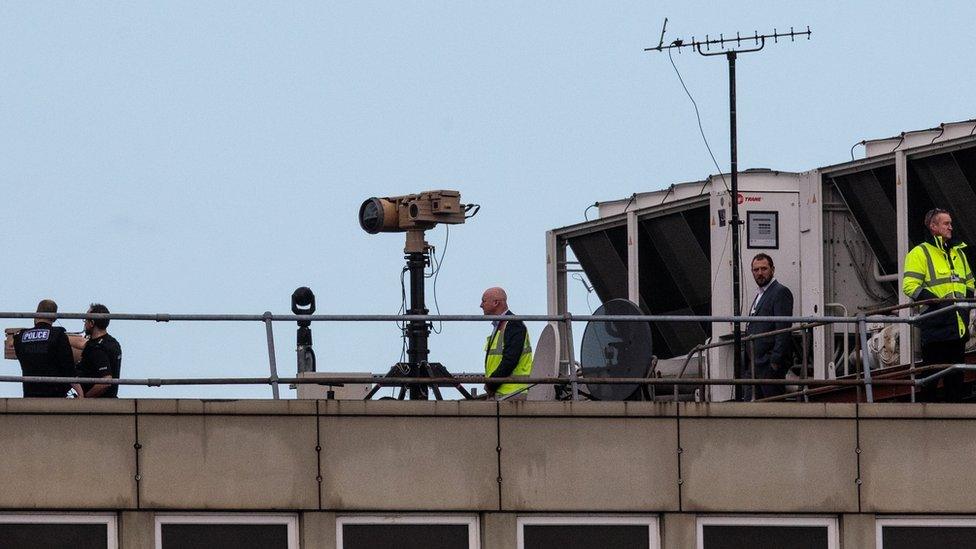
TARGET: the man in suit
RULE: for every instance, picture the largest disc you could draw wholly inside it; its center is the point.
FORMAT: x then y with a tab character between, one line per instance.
772	355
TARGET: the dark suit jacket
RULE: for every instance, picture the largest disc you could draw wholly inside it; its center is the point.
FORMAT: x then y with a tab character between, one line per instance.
777	300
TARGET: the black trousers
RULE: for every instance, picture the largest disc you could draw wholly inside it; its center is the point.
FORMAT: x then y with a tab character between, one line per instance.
944	352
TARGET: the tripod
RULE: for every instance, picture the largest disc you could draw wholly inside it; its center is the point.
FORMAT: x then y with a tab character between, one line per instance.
417	255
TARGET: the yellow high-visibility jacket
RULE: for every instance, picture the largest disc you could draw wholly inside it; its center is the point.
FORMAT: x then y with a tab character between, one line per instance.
934	269
494	349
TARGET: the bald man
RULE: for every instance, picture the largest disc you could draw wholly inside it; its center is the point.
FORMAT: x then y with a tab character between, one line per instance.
508	352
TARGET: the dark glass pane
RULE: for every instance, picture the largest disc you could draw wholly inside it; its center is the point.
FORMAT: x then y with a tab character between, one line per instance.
405	536
765	537
913	537
224	536
53	536
586	536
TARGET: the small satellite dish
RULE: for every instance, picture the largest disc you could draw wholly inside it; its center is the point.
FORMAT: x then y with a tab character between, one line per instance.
616	349
545	363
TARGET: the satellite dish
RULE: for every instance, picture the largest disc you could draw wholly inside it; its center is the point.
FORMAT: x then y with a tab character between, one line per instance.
616	349
545	363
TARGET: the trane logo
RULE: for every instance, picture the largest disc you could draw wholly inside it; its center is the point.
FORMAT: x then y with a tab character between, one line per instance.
36	335
743	198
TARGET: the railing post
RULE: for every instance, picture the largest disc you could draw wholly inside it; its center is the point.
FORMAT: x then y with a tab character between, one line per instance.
701	374
803	375
862	327
568	320
752	370
271	354
911	355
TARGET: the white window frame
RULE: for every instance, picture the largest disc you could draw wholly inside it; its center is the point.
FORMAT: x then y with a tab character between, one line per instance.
471	521
651	521
288	519
833	540
922	521
108	519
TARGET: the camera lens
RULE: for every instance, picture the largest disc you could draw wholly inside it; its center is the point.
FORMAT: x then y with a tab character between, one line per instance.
371	216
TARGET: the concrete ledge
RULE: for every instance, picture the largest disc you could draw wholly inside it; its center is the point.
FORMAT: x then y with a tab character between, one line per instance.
918	466
907	410
228	462
605	464
227	407
811	410
67	462
768	465
66	406
406	408
409	463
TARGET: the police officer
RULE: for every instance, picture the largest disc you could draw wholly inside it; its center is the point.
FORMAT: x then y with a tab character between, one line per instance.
100	358
508	352
44	351
938	268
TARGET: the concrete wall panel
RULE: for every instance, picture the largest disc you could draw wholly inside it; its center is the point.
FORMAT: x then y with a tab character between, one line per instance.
317	530
911	466
228	462
67	462
499	531
769	465
576	463
409	463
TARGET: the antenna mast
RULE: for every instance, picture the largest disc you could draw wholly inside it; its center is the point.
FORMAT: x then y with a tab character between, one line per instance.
736	46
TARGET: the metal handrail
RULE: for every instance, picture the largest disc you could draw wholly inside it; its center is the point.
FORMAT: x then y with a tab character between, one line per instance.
807	322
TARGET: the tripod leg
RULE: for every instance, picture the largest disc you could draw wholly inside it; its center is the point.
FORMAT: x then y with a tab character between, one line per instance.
437	369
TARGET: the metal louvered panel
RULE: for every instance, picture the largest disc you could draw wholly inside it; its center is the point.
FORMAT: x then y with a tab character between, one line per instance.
939	181
675	271
603	265
870	194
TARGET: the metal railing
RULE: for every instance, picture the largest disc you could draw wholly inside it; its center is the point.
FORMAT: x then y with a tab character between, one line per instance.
572	379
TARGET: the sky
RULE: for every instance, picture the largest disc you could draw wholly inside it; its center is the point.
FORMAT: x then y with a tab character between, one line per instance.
210	157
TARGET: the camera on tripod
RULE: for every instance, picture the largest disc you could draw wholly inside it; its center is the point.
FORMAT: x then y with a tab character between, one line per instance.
414	214
411	212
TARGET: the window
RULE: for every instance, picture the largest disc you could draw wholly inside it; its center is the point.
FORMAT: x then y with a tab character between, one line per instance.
767	532
407	532
48	531
588	532
238	531
945	533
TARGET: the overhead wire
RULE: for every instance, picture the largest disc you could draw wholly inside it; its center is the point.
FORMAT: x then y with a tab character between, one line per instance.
593	205
438	262
700	128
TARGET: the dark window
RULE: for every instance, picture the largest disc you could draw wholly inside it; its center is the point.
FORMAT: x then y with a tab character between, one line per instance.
587	536
404	536
912	537
224	536
764	537
50	535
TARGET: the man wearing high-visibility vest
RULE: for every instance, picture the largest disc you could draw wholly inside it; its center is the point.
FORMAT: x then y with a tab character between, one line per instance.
508	352
938	268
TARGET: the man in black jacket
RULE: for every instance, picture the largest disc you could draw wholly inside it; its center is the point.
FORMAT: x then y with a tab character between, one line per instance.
772	355
100	358
44	351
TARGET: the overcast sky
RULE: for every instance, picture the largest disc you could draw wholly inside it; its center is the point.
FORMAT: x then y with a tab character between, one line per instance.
210	157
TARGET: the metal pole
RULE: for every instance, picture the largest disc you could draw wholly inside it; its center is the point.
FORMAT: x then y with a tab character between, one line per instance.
271	354
911	342
806	345
863	328
752	369
418	331
568	319
736	257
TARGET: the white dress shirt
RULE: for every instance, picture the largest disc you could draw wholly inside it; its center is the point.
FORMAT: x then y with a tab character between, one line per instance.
759	294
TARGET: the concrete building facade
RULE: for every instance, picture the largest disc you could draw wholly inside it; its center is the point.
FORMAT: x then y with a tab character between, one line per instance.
499	475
